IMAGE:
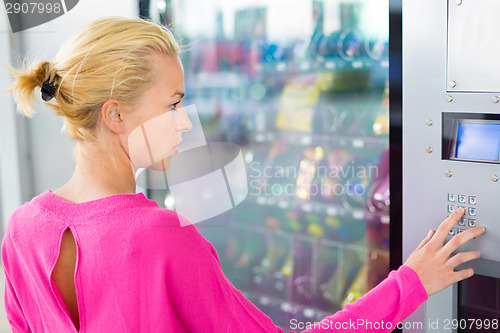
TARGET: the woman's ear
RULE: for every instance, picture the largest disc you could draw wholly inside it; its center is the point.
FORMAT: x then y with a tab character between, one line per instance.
111	115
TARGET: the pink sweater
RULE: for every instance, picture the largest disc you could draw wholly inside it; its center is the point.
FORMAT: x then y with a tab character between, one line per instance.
137	270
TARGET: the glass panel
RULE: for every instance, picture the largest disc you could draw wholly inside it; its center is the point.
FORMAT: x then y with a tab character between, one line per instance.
478	141
303	91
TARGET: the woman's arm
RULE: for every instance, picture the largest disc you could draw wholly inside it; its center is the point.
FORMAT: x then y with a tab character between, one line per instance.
203	297
428	270
15	314
207	301
13	308
381	309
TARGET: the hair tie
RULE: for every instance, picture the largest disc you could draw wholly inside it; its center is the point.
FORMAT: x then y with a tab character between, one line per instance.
49	89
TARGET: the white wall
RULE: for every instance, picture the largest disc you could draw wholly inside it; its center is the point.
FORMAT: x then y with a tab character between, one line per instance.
10	187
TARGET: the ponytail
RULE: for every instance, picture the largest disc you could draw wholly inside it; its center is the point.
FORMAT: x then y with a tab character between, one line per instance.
25	83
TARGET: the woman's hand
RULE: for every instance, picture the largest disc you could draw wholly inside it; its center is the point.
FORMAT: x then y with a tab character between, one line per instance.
432	262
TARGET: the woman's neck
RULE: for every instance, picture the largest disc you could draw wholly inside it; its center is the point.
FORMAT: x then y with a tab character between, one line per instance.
99	173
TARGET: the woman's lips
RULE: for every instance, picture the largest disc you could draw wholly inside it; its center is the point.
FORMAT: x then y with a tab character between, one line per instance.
175	149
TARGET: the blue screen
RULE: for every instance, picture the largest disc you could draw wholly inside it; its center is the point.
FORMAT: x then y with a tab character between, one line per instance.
478	141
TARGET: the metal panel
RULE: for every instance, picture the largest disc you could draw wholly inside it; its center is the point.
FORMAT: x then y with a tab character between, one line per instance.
440	309
473	46
425	182
427	94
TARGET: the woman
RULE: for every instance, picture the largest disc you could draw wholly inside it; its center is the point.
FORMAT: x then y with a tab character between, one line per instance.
94	256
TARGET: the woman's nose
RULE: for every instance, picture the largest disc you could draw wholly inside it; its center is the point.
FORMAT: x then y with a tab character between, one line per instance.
184	123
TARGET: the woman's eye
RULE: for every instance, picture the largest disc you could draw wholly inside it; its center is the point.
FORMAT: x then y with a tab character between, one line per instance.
174	106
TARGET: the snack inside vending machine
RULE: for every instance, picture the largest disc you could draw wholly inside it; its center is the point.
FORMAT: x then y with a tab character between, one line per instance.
451	149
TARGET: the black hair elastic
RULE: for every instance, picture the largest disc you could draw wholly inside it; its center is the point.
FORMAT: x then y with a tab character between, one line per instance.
49	90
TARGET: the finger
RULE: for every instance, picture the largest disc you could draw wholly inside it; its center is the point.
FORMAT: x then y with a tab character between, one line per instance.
463	274
445	226
462	238
463	257
426	239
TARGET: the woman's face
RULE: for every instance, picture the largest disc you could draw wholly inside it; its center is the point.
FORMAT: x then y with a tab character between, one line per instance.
154	127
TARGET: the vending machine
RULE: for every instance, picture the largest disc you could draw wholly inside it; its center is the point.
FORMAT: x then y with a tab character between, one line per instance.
303	91
451	149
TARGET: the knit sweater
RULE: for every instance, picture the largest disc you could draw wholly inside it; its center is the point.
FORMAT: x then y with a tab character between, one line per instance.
139	268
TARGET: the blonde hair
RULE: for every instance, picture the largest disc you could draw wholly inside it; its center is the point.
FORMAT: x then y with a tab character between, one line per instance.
108	58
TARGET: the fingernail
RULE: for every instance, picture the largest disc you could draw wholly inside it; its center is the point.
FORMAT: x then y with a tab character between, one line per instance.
460	210
483	229
430	232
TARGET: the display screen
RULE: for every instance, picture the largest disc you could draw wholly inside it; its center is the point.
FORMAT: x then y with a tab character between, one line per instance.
478	141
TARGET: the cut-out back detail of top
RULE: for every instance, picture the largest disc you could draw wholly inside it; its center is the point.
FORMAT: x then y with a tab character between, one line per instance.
64	276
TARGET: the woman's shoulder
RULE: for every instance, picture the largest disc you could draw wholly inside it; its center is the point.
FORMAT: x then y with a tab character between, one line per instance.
21	217
162	217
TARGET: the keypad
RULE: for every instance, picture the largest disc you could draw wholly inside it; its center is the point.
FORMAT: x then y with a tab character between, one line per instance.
468	203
